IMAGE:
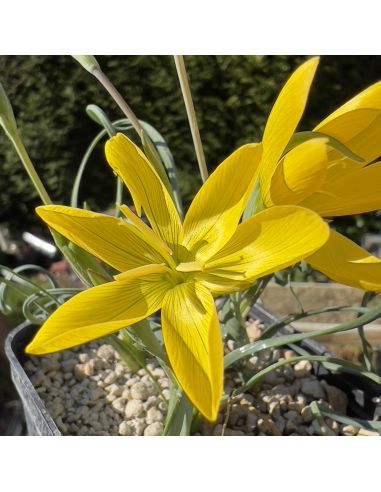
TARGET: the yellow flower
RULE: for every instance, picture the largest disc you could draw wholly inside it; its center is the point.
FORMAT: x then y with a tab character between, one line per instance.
316	176
176	267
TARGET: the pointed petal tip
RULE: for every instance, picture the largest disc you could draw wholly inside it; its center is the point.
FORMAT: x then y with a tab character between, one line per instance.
33	349
211	414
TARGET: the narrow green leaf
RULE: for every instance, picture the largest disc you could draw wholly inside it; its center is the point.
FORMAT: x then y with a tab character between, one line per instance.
344	419
98	278
251	295
302	137
336	364
39	306
255	204
99	116
324	429
272	329
143	331
7	118
130	355
80	261
180	415
252	348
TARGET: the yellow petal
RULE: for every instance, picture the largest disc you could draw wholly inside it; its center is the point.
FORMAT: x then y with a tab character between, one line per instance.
339	167
218	206
300	173
143	270
357	124
99	311
193	341
271	240
344	261
353	192
283	120
145	186
110	239
144	231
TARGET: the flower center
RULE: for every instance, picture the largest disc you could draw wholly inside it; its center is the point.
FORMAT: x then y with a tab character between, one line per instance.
190	266
184	272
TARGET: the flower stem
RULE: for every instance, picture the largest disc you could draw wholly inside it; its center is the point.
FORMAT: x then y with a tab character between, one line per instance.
25	159
185	89
367	348
149	147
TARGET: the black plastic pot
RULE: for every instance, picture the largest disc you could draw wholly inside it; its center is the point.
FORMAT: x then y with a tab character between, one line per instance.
363	394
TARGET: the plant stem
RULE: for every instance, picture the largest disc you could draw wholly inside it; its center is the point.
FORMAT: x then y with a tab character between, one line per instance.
185	89
281	323
252	348
115	94
366	347
251	295
149	147
25	159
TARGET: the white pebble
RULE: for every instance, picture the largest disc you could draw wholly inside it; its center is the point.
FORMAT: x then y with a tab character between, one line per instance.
110	378
106	352
302	369
79	371
166	393
139	391
349	430
134	408
159	373
119	405
114	389
125	429
83	357
131	381
155	429
138	424
154	415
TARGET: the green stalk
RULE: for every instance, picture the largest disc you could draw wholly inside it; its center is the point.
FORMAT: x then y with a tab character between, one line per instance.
350	366
25	159
252	348
185	89
143	331
272	329
115	94
251	295
8	122
146	140
366	347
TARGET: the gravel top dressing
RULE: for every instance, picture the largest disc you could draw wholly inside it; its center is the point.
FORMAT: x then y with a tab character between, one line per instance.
89	391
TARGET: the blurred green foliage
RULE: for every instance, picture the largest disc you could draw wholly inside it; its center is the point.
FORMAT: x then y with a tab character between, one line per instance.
232	94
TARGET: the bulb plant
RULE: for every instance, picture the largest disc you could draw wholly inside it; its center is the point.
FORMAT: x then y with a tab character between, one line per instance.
263	209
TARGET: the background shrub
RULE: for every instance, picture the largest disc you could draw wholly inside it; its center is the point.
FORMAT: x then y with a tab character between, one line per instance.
232	95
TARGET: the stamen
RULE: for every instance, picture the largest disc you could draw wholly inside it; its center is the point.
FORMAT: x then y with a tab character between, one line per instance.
141	271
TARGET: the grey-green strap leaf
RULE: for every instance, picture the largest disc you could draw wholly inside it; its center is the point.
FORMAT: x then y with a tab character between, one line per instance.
335	365
252	348
7	118
255	204
301	137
